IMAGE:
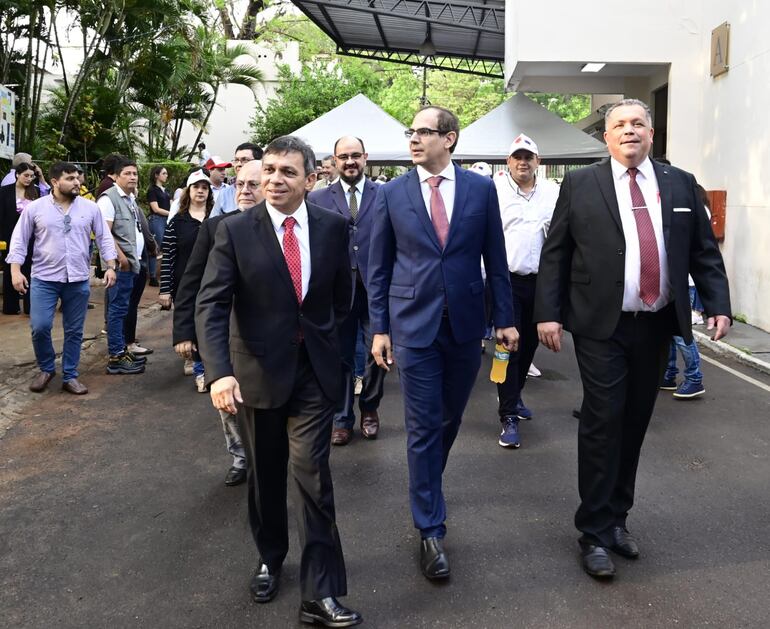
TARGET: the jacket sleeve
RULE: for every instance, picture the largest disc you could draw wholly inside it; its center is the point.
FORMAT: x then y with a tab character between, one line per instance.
168	262
496	264
189	284
213	305
343	279
382	252
555	261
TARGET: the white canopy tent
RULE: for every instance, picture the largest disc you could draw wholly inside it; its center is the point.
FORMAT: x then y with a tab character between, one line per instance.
383	135
489	138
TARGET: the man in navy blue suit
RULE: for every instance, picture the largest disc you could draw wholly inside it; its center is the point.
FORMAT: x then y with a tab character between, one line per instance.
352	196
431	228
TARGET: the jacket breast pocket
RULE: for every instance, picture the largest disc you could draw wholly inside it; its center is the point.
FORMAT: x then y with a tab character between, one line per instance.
404	292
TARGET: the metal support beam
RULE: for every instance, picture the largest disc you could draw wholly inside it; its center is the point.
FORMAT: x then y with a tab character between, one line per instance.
479	67
473	16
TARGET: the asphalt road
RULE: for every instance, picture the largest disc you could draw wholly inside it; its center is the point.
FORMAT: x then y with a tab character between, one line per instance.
113	513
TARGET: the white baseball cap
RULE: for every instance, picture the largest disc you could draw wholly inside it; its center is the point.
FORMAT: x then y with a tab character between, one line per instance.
482	168
523	142
197	176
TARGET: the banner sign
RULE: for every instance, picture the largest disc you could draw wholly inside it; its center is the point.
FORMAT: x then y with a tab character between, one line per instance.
7	122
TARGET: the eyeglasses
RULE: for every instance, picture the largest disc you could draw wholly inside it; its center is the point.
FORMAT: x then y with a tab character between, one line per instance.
423	132
253	185
67	223
354	156
242	160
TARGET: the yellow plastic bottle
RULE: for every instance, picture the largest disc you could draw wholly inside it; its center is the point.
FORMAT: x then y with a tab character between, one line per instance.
499	364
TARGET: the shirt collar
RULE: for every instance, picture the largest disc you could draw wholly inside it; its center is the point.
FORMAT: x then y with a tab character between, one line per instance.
447	173
123	193
619	171
277	217
359	186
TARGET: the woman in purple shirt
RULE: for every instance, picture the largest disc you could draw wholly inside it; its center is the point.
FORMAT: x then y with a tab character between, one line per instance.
14	198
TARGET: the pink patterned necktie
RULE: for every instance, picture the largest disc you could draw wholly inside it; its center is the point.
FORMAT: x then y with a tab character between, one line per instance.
438	210
292	256
649	272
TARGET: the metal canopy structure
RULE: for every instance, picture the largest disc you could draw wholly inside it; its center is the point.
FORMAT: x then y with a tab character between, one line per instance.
461	36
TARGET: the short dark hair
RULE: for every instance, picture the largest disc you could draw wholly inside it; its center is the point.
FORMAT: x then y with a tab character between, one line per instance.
446	122
360	141
255	149
110	163
57	169
292	144
123	164
628	102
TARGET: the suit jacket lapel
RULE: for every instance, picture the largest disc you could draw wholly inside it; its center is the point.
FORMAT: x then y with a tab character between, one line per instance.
666	195
458	208
607	187
418	204
367	199
266	233
340	199
315	234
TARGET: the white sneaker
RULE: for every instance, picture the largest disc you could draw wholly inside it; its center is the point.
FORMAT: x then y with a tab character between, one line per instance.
533	372
188	367
200	383
138	350
358	385
697	318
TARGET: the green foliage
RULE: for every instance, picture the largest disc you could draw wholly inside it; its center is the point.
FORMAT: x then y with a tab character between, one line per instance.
301	99
570	107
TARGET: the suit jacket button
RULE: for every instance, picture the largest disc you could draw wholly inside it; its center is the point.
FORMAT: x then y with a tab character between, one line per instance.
618	283
355	229
355	247
620	252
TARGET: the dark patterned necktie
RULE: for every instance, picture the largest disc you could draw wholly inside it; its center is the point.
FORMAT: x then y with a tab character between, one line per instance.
292	255
438	214
353	204
649	272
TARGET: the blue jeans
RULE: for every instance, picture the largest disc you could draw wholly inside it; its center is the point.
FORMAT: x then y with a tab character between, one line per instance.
691	357
197	368
74	302
158	230
120	294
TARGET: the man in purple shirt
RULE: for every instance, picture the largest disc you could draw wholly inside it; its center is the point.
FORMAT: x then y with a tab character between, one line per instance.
61	224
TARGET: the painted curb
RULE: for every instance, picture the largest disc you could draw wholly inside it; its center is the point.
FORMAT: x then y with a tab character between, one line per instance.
725	349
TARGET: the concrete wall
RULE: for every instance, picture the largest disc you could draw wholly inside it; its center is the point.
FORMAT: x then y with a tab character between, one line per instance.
714	124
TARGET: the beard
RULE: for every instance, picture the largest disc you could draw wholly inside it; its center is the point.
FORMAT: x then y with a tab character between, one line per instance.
350	180
72	194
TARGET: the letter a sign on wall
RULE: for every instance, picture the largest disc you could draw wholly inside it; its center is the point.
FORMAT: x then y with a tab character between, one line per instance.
720	46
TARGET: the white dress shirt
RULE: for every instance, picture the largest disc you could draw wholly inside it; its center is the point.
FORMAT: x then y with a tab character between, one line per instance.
108	212
648	184
526	219
302	233
446	189
359	188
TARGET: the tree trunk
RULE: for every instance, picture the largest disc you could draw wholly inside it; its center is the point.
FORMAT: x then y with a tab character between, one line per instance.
205	122
249	23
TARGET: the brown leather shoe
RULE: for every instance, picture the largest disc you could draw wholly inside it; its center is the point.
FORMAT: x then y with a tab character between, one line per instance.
341	436
41	381
74	387
370	424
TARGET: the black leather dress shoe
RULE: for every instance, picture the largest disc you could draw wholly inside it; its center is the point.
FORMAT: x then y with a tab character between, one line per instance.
596	561
264	584
235	476
328	612
623	543
433	560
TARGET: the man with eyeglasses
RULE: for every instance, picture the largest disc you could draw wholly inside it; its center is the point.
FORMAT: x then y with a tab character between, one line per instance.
432	226
352	196
226	200
526	206
134	244
61	225
248	194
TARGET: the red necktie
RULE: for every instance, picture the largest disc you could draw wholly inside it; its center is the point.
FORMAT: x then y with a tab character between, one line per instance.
649	272
438	211
292	256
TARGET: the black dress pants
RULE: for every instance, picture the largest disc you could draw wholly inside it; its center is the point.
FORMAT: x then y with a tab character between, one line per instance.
295	440
620	378
509	392
10	296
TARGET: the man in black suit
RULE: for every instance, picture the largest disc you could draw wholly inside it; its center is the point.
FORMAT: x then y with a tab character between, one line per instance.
352	196
248	193
277	285
613	271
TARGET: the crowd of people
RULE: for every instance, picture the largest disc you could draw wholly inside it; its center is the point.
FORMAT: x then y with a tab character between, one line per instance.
277	278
